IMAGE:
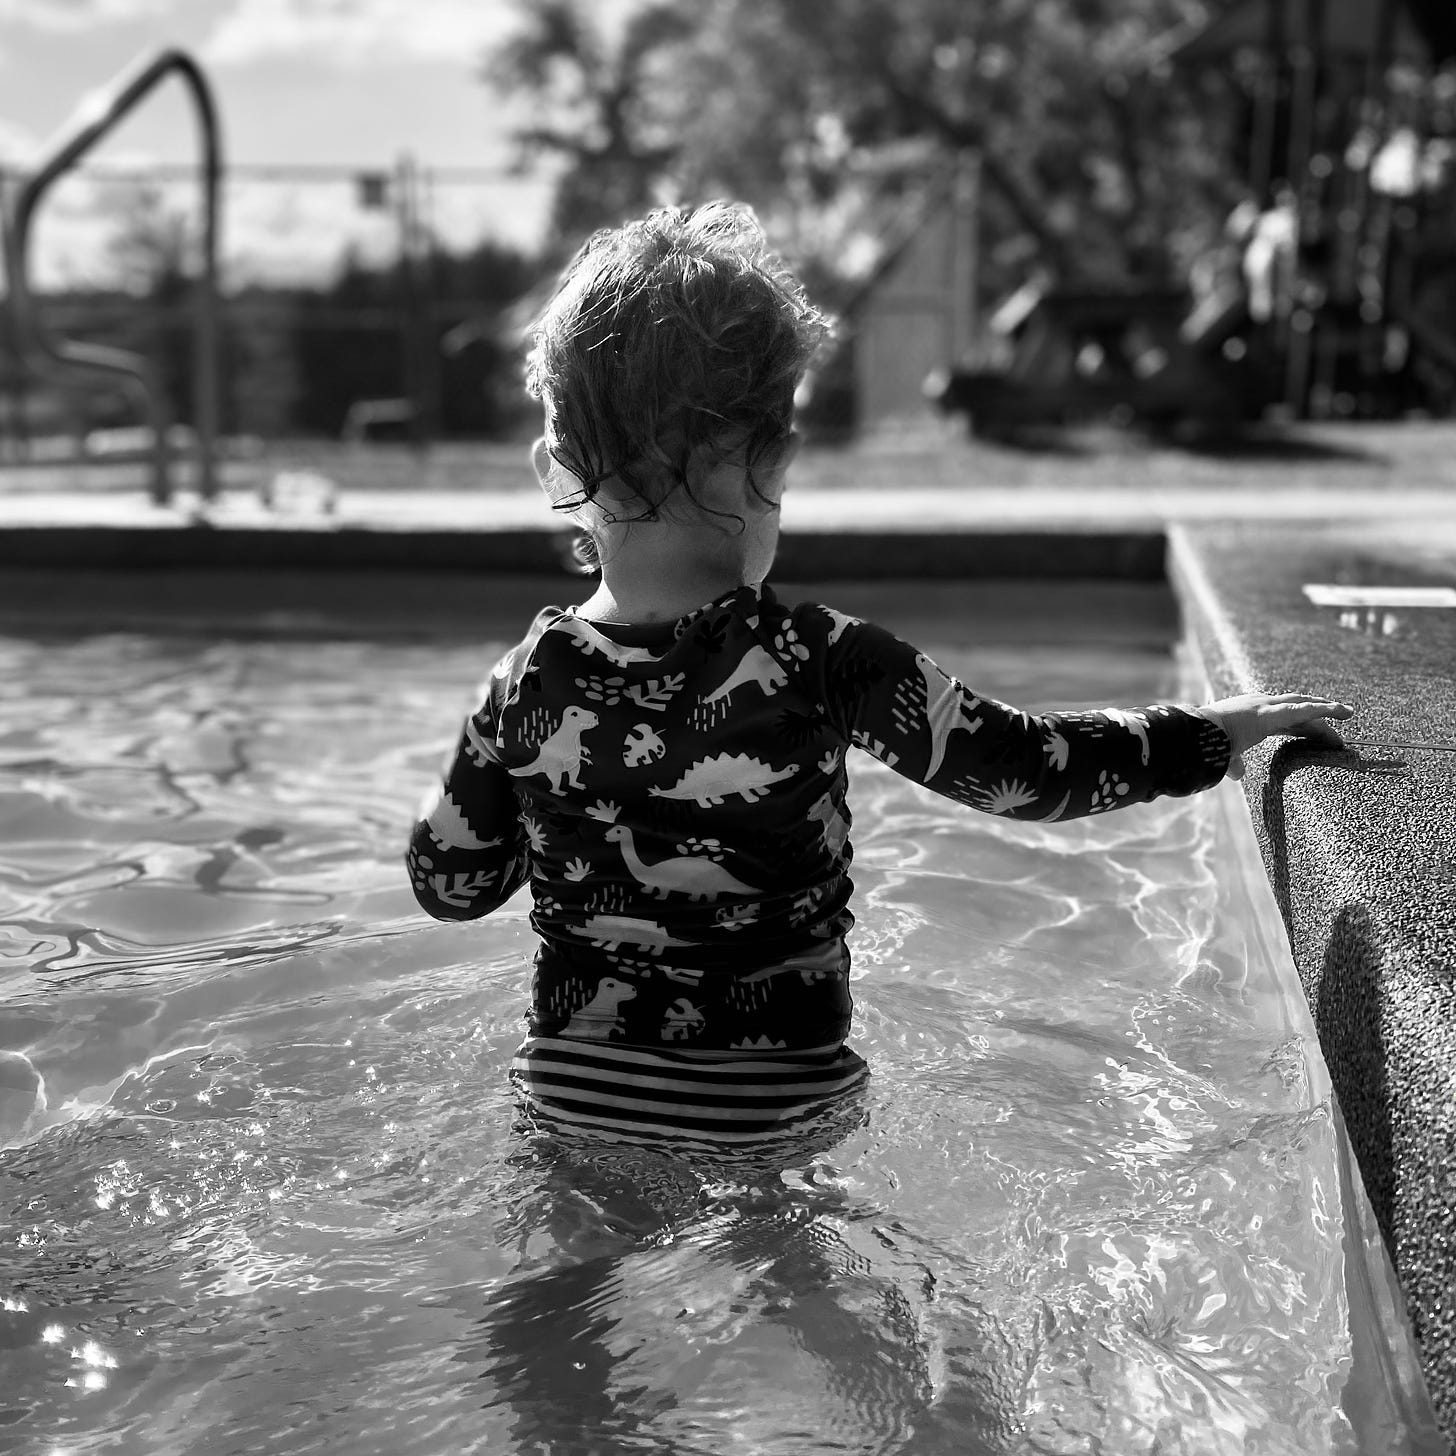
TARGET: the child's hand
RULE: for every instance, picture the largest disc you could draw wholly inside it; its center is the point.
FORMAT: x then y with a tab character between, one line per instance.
1254	717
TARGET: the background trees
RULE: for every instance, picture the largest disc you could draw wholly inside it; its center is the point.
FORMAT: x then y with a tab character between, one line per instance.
295	358
833	118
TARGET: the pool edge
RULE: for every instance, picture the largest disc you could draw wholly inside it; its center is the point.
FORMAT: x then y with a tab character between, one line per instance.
1346	842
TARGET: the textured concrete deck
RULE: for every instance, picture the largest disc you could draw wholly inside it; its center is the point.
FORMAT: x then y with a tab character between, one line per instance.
1361	849
1359	846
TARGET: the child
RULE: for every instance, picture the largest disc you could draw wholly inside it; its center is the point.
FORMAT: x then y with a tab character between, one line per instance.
666	763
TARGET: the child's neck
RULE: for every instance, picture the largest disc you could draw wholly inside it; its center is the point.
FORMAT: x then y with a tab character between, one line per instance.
660	574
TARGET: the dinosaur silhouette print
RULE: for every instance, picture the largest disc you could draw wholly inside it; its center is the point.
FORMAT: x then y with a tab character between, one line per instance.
561	756
612	932
833	826
945	711
1136	724
841	624
686	874
600	1018
449	829
590	641
755	666
712	780
482	751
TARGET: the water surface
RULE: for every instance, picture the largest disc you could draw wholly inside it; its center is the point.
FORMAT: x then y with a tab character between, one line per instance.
274	1195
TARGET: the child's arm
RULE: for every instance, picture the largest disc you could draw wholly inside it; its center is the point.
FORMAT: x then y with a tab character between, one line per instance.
467	853
900	706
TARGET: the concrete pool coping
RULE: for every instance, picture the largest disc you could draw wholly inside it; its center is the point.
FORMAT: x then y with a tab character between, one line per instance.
1359	847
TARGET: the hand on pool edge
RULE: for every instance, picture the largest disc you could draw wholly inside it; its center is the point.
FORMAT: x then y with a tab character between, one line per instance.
1251	718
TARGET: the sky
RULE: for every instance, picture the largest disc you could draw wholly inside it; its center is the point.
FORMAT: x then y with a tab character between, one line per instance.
347	83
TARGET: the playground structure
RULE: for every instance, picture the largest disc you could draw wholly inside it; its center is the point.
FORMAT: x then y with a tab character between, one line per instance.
1342	301
1136	354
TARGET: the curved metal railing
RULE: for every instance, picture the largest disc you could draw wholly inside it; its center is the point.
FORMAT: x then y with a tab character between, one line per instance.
47	355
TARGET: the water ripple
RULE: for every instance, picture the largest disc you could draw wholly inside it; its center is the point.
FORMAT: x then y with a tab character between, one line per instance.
266	1188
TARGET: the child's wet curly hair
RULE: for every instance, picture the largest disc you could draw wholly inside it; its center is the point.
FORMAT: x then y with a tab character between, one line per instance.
670	345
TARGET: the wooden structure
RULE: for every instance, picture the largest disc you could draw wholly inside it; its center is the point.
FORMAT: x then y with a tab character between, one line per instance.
919	310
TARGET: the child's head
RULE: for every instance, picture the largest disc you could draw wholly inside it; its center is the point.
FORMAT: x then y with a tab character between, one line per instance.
671	346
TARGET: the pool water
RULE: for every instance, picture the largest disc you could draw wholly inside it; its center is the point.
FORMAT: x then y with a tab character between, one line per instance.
272	1194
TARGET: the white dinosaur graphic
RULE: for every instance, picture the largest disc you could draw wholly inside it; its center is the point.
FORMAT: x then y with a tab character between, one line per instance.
642	745
712	780
736	917
612	932
842	624
755	666
561	756
590	641
1136	724
481	750
833	826
757	1044
944	711
687	874
600	1018
449	830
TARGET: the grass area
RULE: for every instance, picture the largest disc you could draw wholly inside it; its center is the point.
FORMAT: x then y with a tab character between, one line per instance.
1401	456
1404	456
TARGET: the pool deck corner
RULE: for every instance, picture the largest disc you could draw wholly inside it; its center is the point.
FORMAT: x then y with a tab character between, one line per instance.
1360	845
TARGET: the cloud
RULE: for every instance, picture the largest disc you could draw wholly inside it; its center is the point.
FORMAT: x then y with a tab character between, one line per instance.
72	15
349	33
299	234
274	234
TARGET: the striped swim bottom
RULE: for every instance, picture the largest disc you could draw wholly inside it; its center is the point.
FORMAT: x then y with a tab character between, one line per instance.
712	1099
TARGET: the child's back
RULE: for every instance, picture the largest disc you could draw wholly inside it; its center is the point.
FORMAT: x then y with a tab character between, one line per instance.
666	763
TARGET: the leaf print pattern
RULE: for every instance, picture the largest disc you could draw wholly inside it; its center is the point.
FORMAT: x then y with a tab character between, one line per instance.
1006	797
656	693
643	745
1055	748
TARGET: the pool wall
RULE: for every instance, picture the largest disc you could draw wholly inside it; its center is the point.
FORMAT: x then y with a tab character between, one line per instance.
1359	847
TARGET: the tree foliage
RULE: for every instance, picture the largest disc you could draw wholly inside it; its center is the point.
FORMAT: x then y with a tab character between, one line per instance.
596	102
349	345
833	118
293	360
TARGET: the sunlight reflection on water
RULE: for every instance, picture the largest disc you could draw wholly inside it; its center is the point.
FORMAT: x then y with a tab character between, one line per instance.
272	1194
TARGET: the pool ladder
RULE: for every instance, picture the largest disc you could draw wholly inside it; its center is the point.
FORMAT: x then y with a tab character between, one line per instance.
47	356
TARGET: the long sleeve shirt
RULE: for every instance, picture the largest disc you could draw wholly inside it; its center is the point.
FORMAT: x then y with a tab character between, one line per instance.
676	796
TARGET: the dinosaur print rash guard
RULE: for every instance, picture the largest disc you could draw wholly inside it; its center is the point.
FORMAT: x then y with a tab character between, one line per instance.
675	795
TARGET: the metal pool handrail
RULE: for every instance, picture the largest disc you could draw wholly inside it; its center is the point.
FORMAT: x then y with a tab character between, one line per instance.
98	115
